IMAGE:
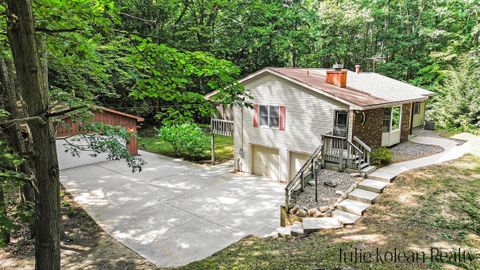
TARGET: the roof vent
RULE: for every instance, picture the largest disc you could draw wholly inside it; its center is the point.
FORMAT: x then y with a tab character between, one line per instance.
337	77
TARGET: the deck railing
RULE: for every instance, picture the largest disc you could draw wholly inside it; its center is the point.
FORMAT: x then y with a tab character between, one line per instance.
309	167
222	127
334	150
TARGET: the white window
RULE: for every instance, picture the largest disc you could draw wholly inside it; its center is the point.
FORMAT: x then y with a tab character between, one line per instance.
392	119
269	116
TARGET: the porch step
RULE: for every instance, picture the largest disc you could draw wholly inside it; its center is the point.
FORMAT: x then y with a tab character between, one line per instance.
362	195
353	207
297	228
345	218
369	169
318	224
372	185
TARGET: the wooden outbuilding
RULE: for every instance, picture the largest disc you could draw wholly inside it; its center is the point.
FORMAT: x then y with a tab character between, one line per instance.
107	116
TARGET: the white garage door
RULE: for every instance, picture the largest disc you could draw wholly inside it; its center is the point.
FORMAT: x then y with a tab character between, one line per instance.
266	162
296	162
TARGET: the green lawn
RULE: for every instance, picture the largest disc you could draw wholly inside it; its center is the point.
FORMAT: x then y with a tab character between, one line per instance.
223	147
438	206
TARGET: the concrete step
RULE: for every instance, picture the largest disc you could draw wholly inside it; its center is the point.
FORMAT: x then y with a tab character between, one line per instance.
297	228
369	169
362	195
352	206
372	185
318	224
345	217
381	176
284	231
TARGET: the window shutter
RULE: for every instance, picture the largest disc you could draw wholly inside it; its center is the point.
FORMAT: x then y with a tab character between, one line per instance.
255	115
282	118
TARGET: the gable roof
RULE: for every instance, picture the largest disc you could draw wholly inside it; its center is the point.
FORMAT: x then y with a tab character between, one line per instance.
364	90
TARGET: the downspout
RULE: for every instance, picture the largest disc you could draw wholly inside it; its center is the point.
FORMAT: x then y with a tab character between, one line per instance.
411	118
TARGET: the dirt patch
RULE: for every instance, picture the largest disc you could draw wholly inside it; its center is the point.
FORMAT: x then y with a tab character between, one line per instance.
85	246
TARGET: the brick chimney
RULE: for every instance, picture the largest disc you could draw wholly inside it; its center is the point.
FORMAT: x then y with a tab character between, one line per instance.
357	69
338	76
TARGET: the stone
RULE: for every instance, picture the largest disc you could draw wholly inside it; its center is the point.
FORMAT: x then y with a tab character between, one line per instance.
355	174
339	192
297	228
293	210
323	209
318	214
311	183
328	213
330	182
344	195
301	212
313	211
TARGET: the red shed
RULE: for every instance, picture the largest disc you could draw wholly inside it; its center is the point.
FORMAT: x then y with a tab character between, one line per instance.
110	117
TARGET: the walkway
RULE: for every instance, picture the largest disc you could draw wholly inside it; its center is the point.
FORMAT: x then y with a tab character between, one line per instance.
453	150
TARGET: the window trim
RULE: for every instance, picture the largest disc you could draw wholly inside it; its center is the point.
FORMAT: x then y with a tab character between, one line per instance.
268	116
390	127
335	119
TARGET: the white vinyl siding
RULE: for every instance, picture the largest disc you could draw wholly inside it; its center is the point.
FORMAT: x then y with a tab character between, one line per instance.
308	115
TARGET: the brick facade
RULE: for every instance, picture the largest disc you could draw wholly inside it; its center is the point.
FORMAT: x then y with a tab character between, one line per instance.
370	132
406	119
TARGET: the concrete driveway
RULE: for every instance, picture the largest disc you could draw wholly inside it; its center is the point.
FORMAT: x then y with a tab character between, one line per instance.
175	212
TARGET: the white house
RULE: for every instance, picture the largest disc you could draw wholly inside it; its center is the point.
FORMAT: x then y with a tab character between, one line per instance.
294	107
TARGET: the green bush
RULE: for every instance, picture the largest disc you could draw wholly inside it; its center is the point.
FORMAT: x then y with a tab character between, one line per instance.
187	140
381	156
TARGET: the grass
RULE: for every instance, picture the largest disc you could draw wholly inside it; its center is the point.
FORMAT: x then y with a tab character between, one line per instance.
223	147
437	206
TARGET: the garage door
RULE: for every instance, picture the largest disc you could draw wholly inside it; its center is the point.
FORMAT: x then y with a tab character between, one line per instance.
266	162
296	162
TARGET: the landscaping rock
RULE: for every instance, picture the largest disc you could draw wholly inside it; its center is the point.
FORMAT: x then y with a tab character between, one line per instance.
301	212
326	194
328	213
293	210
330	182
355	174
313	211
323	209
318	214
311	183
339	192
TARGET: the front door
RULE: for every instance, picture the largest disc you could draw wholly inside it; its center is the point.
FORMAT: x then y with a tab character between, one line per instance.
340	125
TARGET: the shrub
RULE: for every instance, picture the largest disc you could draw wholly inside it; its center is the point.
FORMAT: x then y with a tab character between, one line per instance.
187	140
381	156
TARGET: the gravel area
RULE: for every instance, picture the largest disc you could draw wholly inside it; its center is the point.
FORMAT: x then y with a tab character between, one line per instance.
409	150
326	194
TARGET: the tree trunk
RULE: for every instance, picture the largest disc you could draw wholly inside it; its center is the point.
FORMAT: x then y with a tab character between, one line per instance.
14	132
34	91
5	235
